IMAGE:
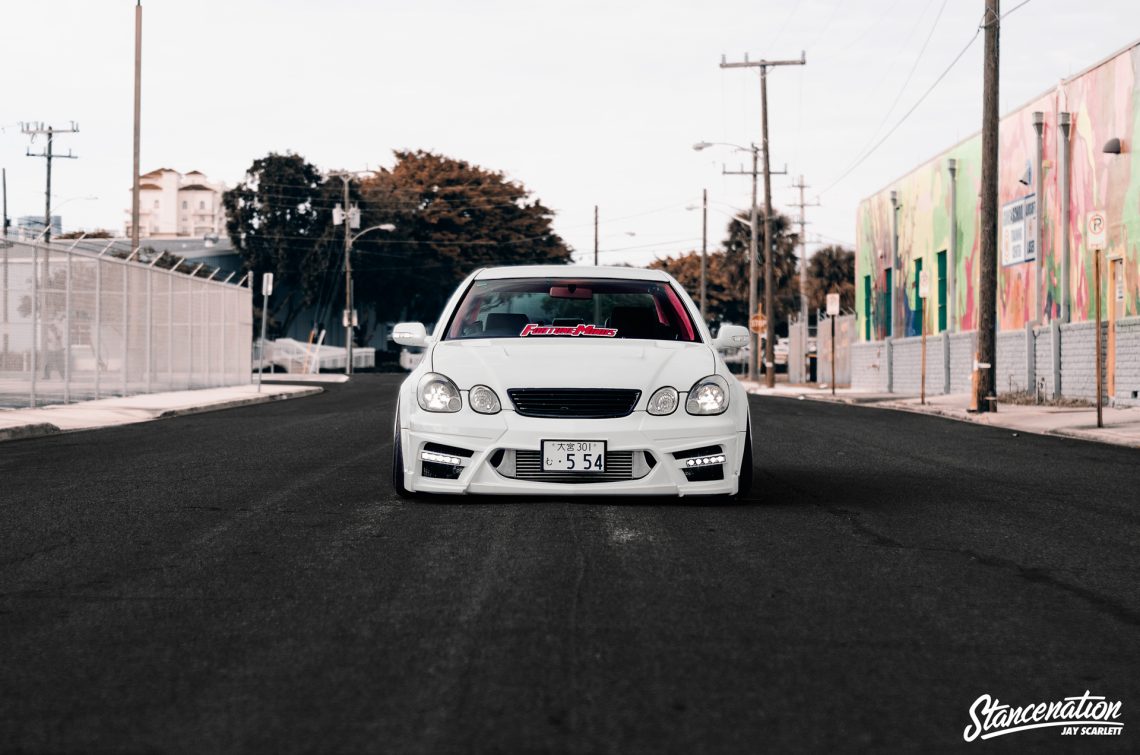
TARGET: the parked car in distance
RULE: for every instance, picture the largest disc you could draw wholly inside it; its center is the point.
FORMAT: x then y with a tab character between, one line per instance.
780	352
410	357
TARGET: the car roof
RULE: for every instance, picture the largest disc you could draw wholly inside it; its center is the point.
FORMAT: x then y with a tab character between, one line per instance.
572	271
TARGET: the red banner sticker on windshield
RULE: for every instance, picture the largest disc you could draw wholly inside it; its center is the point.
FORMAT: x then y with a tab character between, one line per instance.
568	330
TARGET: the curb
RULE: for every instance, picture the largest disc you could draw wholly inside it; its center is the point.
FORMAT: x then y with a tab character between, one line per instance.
894	406
41	429
234	404
20	432
1077	435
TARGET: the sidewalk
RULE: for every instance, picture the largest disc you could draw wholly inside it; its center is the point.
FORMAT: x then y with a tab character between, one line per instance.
312	377
1121	425
108	412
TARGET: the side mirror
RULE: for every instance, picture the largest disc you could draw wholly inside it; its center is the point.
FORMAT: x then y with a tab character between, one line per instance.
410	334
731	337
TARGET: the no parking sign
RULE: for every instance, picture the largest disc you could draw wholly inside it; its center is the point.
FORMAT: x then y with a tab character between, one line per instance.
1096	228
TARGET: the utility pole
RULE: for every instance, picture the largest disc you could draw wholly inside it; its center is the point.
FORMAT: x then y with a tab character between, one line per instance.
137	128
347	282
987	289
769	275
33	130
752	255
4	191
595	235
753	258
803	204
4	246
704	250
350	217
803	247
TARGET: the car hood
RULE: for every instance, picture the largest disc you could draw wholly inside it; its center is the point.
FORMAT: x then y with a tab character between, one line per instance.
572	363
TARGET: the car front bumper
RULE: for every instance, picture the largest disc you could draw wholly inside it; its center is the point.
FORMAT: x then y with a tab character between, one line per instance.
485	436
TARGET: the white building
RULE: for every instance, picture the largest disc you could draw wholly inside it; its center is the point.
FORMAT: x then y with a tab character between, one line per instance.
173	204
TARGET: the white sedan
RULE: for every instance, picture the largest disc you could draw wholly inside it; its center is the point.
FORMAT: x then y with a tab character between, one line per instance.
571	381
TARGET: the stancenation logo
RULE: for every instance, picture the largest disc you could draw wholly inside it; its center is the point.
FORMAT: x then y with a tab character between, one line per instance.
1085	715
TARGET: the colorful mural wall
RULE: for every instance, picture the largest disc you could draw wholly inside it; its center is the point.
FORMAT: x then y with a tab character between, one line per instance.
1104	103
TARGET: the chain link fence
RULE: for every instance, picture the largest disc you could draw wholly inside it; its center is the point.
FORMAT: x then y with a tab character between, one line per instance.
78	325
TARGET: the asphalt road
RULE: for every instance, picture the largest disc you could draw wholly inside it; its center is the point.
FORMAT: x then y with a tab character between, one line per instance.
246	581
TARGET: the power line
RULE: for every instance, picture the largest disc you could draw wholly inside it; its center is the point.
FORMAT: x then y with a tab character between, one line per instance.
1011	10
906	82
783	26
331	202
826	25
906	115
876	20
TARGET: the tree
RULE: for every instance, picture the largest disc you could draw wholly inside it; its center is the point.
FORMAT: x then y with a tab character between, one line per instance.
784	267
98	233
450	218
279	219
831	270
727	271
686	268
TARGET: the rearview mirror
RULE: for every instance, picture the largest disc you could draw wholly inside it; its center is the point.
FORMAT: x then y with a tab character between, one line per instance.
573	291
731	337
410	334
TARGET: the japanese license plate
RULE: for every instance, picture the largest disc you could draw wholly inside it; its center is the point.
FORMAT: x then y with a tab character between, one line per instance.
574	456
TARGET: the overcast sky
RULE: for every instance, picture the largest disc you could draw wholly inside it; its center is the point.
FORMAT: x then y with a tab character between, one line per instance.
584	102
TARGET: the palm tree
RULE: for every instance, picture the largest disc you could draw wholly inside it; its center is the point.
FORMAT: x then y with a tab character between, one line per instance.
734	272
832	270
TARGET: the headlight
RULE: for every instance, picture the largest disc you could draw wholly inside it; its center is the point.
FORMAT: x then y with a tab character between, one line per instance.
663	401
484	400
708	396
438	394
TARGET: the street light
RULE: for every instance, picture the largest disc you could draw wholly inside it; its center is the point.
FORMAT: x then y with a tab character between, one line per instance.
752	247
381	227
350	305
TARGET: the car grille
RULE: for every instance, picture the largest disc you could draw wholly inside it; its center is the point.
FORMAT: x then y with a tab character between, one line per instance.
579	403
528	466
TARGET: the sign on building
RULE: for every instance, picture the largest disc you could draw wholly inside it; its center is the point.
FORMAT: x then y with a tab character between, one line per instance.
1019	230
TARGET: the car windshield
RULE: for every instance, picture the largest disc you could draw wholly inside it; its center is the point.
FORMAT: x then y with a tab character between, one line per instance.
572	308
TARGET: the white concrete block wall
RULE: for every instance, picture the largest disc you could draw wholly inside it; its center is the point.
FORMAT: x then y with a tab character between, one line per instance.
1128	359
961	361
869	366
934	365
1043	358
1010	375
1078	359
1078	362
908	365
